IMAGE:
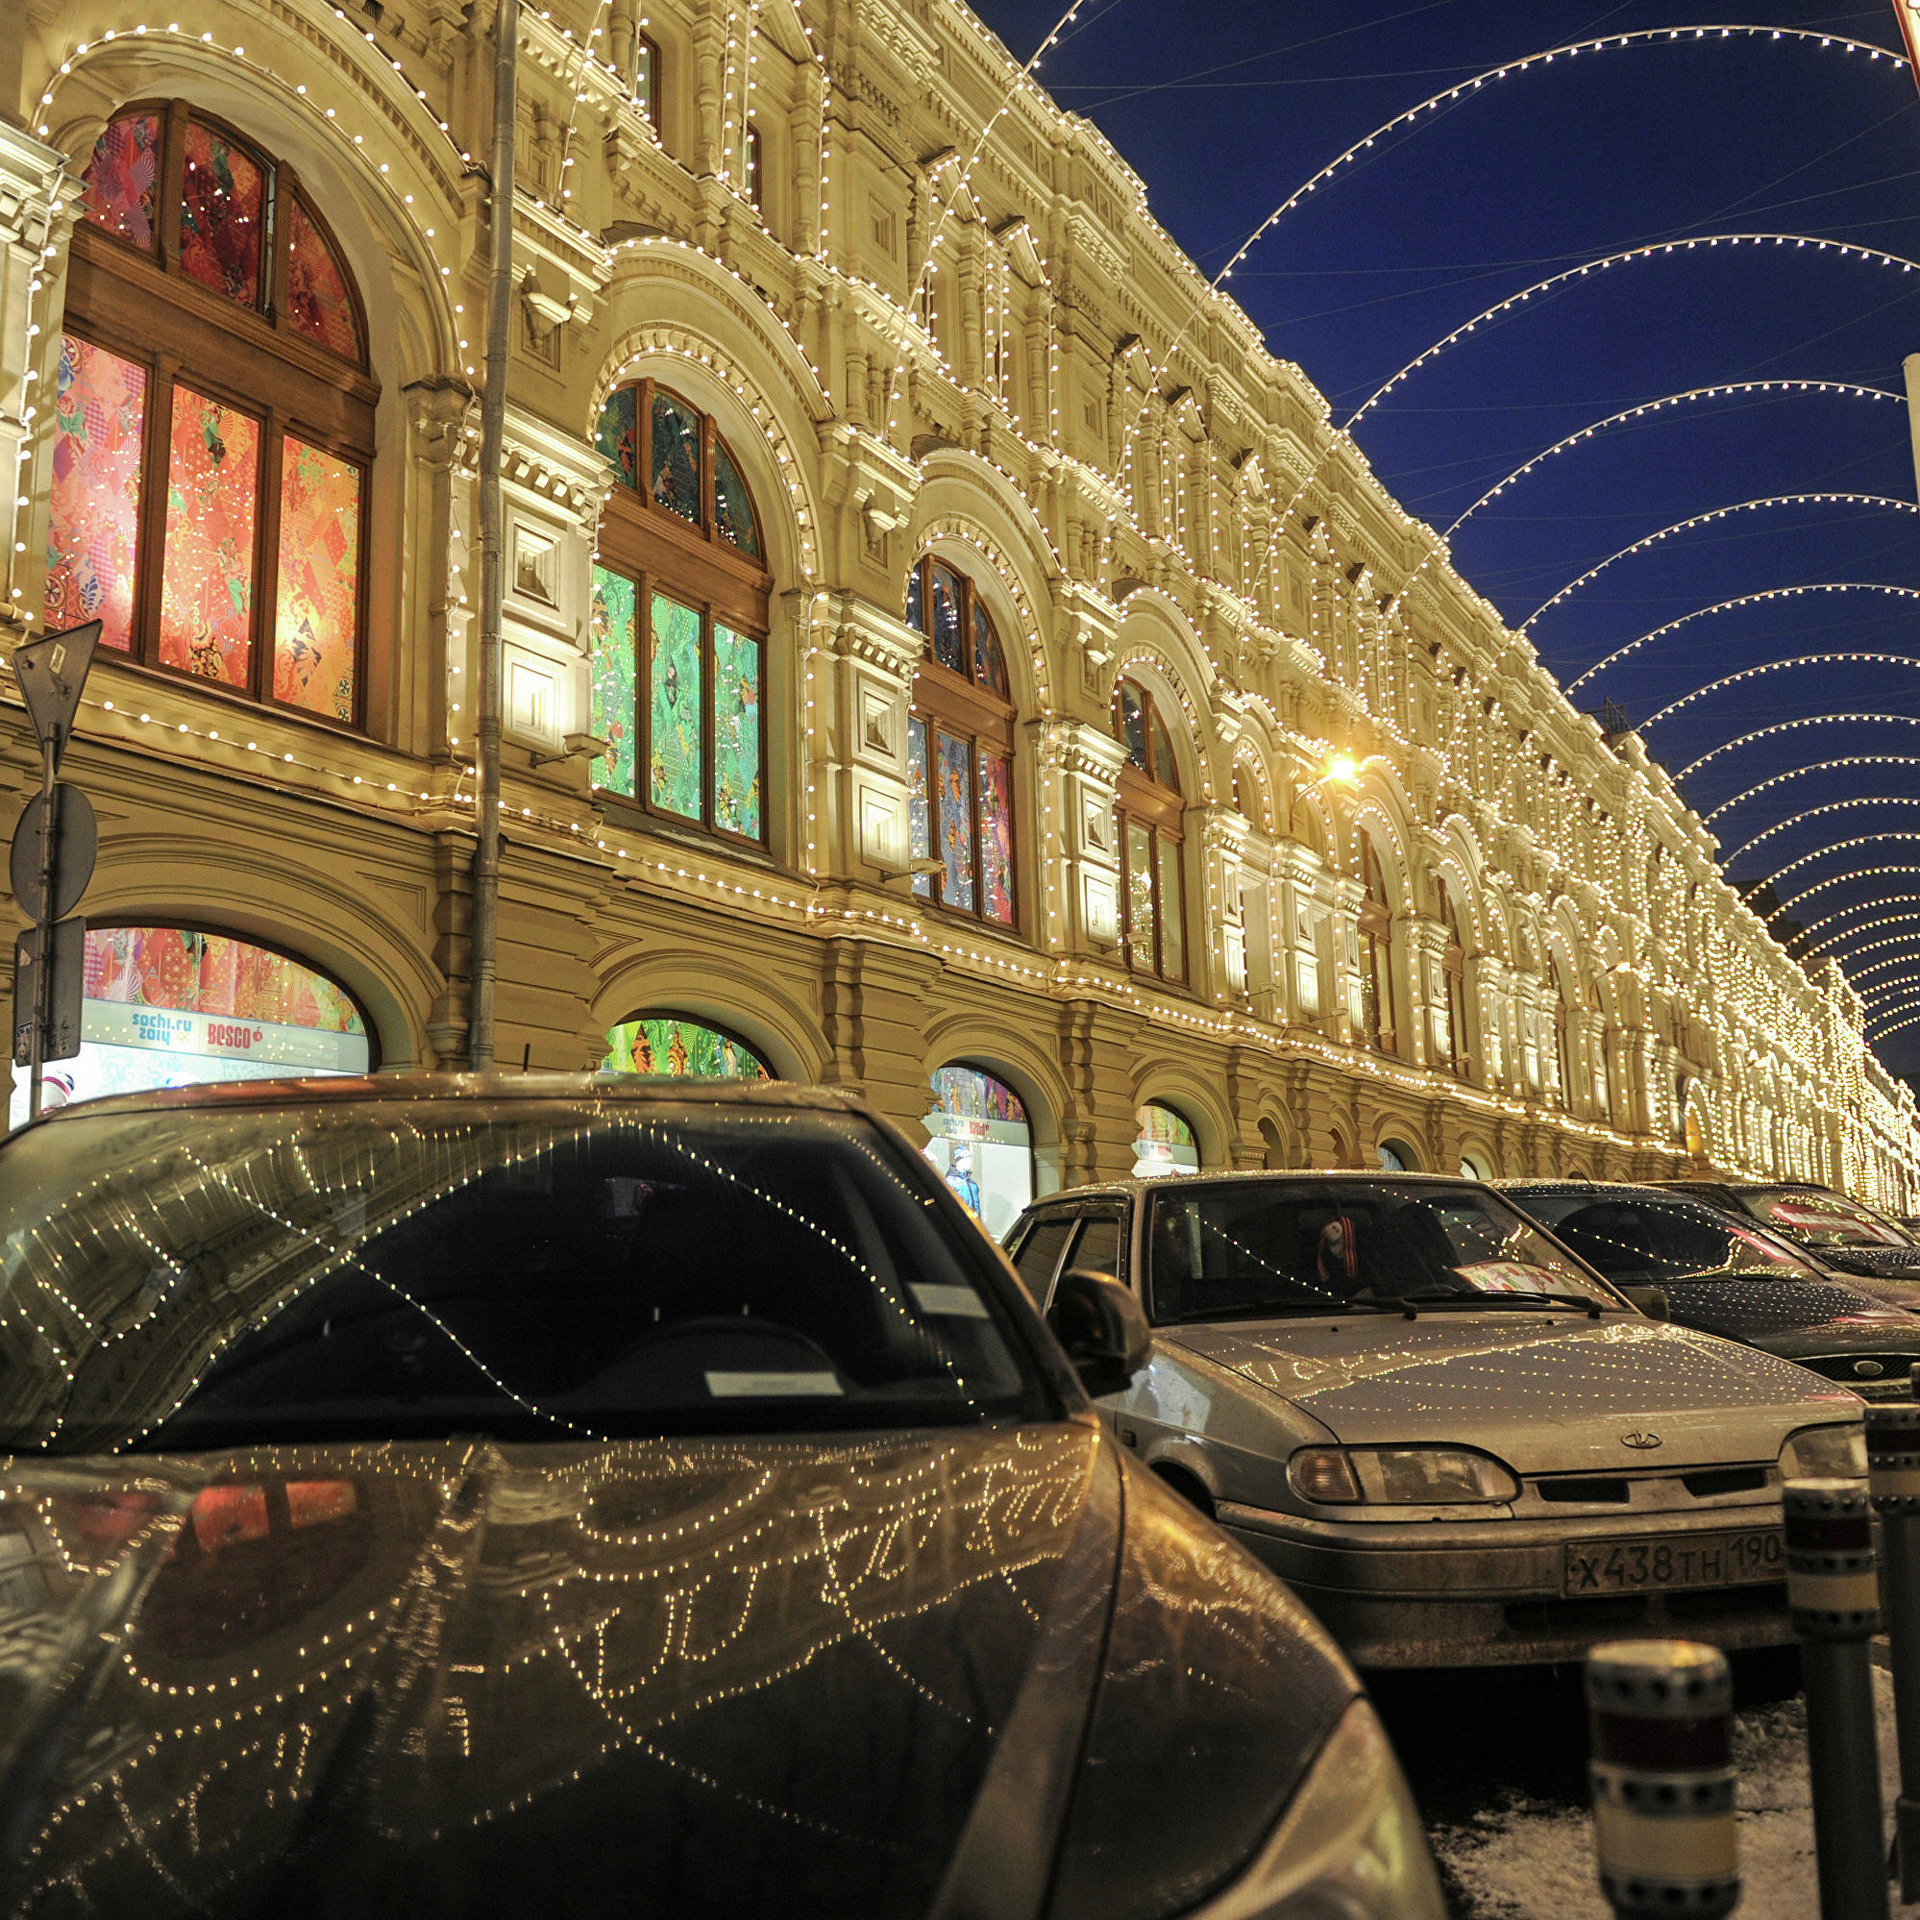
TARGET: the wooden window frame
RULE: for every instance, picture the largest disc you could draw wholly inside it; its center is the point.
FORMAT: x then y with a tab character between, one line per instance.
646	49
698	567
752	157
1142	800
137	304
958	704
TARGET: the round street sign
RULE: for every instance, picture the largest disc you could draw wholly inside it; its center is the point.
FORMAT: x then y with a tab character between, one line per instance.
75	848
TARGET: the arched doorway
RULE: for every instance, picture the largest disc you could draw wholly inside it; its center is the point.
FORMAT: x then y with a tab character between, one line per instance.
980	1143
1395	1156
670	1043
1163	1142
175	1007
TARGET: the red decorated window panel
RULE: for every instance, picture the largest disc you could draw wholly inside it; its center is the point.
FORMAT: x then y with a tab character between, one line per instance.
214	421
116	191
93	517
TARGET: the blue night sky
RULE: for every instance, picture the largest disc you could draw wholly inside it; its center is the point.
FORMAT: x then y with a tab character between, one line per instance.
1225	108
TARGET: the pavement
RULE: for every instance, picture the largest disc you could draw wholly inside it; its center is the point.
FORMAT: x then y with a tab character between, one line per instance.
1498	1764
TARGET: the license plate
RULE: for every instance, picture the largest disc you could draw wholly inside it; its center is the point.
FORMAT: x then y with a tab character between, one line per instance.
1691	1560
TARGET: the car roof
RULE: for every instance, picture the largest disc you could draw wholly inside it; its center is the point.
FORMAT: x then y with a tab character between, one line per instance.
1639	1189
227	1096
1162	1182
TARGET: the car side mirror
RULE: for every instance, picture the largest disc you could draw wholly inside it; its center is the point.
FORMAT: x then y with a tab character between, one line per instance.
1652	1301
1102	1328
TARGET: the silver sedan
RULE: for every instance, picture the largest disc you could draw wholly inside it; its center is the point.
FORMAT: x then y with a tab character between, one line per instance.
1456	1441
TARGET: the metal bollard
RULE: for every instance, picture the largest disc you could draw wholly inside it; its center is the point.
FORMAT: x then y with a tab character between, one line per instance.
1893	1479
1660	1714
1834	1600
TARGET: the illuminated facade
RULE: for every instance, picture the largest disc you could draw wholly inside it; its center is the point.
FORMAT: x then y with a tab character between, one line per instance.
939	635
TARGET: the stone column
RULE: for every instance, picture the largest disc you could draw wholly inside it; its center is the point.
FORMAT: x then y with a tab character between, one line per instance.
1079	766
1430	1017
1222	837
858	742
32	278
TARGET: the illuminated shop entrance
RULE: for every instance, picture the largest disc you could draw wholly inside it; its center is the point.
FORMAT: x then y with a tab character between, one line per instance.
168	1007
667	1043
981	1145
1163	1142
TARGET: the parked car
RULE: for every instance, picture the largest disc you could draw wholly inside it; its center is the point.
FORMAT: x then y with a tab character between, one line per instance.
1455	1440
1838	1232
1728	1276
445	1497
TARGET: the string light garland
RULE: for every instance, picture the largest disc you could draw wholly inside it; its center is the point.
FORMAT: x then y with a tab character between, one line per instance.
1777	666
1814	766
1905	902
1814	813
1793	726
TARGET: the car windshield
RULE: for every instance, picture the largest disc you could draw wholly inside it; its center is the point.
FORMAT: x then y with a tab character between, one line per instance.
1824	1219
527	1269
1644	1241
1247	1249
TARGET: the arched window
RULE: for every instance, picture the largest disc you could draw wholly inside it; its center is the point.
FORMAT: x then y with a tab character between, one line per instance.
680	596
175	1007
1163	1142
960	748
1375	928
669	1043
213	420
980	1142
1395	1156
751	176
1453	964
1152	902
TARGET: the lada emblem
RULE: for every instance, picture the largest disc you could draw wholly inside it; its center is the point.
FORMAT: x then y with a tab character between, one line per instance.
1640	1442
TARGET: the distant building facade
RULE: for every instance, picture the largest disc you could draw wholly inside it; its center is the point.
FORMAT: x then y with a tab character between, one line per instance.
946	654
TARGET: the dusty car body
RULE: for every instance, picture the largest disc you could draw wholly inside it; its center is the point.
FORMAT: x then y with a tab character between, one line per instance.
1732	1277
506	1496
1586	1471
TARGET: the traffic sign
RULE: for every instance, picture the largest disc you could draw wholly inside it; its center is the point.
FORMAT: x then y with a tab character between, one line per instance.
76	846
60	1038
51	672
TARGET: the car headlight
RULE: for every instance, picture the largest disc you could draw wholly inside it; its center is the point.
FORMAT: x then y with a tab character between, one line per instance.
1399	1477
1825	1453
1351	1845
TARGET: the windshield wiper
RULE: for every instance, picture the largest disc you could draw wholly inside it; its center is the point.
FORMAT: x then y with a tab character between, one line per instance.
1476	1297
1283	1309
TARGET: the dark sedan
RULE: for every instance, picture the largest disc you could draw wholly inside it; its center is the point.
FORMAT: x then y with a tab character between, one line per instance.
460	1497
1837	1232
1728	1276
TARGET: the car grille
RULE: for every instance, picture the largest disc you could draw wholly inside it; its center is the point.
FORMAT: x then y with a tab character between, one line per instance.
1675	1491
1653	1612
1874	1376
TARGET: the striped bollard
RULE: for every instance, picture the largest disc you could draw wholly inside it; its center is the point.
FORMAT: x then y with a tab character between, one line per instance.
1834	1599
1660	1714
1893	1480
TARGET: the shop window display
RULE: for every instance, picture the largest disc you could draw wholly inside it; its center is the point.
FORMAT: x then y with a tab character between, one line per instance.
980	1143
1163	1142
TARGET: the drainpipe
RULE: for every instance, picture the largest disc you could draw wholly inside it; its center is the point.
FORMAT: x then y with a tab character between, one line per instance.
1910	366
481	964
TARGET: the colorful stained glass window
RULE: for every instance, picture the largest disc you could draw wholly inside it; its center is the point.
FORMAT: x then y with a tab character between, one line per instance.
617	435
736	732
222	215
318	300
732	506
317	618
99	422
954	772
615	660
664	1043
116	191
213	489
1173	945
965	1093
919	807
946	620
1140	929
675	483
989	663
676	716
996	838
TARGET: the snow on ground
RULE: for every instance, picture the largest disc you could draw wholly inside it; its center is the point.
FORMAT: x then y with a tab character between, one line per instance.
1529	1857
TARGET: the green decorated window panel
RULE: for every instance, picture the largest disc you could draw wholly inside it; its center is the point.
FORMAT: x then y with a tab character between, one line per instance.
677	695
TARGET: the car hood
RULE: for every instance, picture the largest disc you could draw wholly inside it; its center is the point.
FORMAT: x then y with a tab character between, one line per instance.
1760	1309
1548	1394
776	1678
1890	1263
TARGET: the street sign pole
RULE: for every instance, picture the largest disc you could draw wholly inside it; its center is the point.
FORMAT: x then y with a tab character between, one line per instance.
43	971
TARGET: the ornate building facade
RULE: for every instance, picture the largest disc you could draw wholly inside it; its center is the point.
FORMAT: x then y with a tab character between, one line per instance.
946	653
